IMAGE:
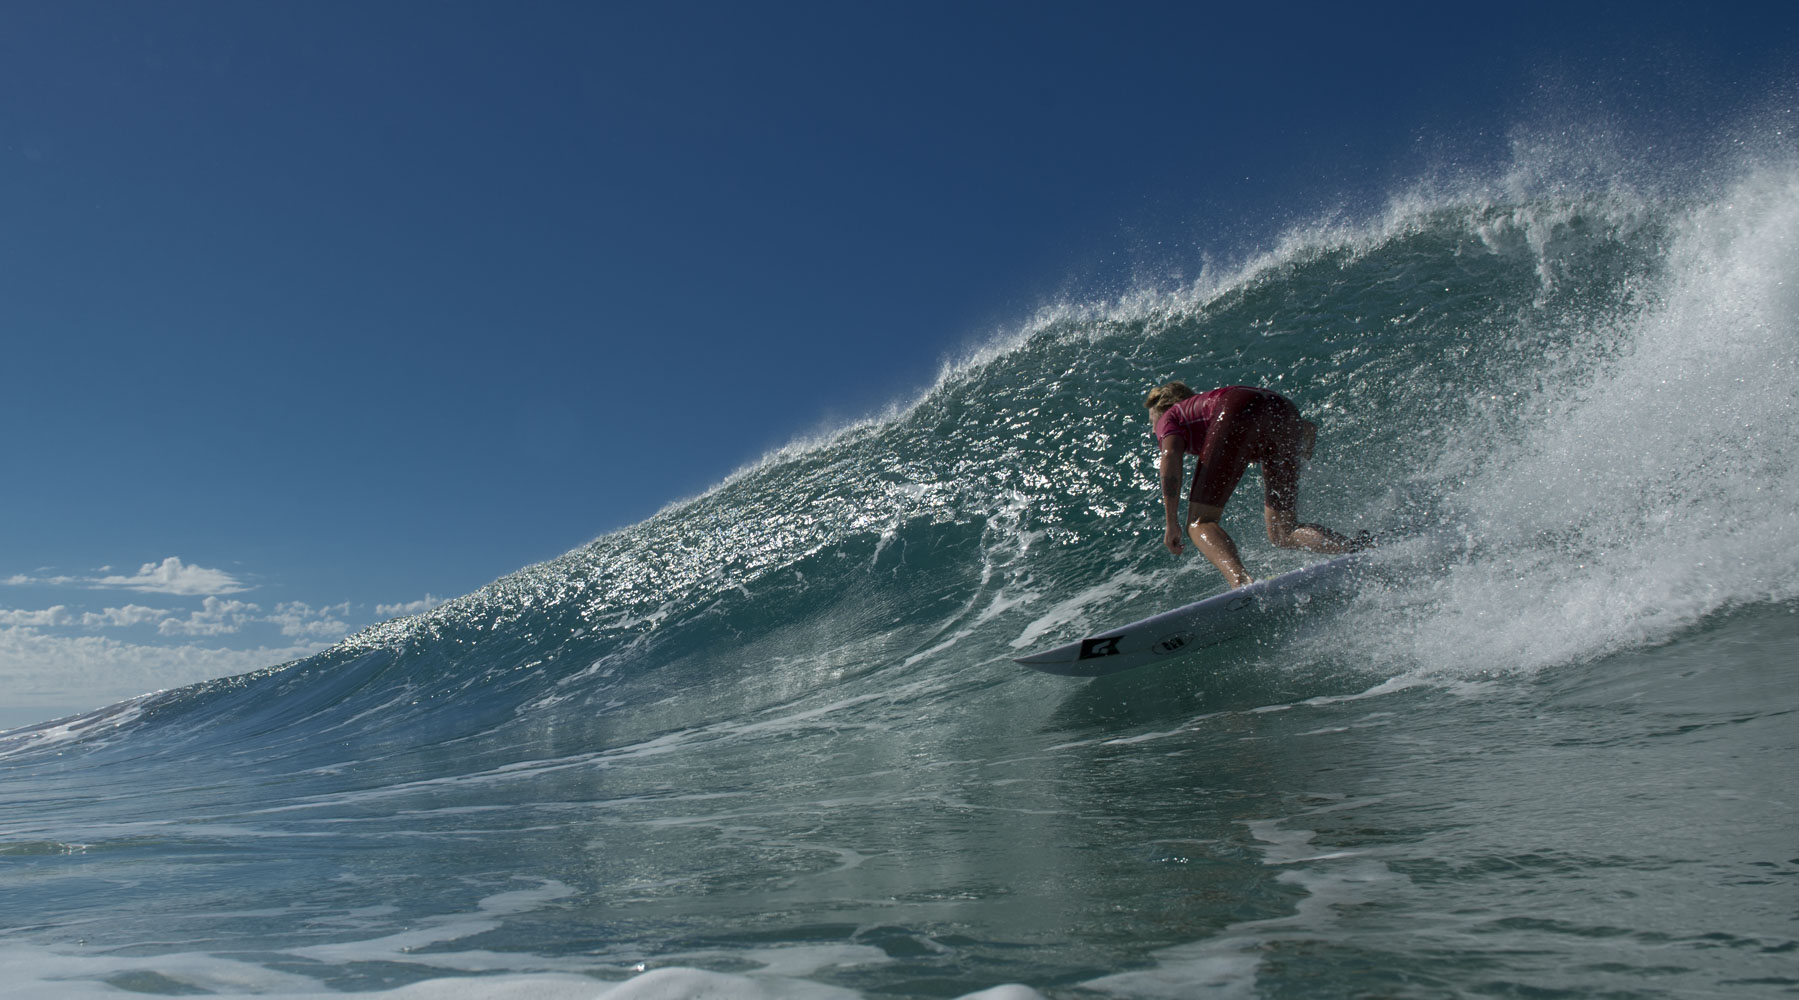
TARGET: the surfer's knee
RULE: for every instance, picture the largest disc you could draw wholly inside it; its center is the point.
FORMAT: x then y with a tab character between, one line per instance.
1202	522
1200	513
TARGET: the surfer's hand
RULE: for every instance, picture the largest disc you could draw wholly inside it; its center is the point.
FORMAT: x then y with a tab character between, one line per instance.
1171	539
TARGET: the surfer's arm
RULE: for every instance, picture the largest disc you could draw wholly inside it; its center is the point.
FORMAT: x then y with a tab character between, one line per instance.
1174	454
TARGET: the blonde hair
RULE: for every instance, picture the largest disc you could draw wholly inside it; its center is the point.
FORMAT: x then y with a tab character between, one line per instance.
1164	396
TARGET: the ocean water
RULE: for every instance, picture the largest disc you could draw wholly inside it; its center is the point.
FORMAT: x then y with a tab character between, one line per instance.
772	743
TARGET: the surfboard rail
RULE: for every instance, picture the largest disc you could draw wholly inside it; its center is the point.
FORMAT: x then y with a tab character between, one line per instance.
1195	626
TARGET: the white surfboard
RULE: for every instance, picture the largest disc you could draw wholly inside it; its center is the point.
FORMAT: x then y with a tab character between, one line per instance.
1197	625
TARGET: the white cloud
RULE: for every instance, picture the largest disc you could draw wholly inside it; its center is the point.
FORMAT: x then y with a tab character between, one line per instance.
58	615
59	672
66	657
414	608
21	580
215	617
172	576
300	620
125	617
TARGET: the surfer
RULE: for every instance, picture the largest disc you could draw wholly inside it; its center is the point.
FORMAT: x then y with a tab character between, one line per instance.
1229	428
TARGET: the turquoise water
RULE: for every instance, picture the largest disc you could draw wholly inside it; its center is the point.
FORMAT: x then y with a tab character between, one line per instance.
771	742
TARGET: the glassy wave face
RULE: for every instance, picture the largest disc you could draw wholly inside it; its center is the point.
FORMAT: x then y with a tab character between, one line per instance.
771	742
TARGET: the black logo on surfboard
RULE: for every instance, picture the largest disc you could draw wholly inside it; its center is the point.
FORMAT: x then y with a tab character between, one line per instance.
1091	648
1172	643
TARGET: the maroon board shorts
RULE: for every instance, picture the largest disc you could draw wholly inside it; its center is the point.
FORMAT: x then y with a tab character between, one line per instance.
1237	425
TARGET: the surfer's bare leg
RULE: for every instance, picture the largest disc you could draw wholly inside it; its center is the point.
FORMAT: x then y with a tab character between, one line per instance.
1210	538
1280	502
1285	531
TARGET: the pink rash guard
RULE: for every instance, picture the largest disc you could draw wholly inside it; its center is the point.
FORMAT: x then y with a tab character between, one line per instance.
1231	427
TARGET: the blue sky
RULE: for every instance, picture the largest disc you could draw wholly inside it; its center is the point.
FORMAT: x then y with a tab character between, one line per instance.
316	313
